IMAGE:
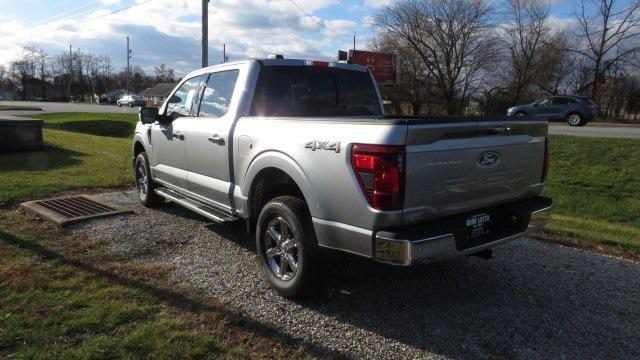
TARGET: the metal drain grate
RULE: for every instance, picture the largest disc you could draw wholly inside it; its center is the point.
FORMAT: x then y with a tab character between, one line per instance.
71	209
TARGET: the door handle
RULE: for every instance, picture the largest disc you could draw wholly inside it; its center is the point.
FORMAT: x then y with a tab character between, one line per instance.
179	136
216	139
498	130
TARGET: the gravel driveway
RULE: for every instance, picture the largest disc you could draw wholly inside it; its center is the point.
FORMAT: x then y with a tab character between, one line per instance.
533	300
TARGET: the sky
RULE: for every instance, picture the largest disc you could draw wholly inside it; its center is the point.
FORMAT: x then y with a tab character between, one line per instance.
168	31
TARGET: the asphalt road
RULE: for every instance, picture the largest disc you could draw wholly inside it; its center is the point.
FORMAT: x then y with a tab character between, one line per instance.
54	107
533	300
555	128
595	130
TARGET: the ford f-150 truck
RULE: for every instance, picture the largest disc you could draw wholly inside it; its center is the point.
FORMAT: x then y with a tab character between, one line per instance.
302	152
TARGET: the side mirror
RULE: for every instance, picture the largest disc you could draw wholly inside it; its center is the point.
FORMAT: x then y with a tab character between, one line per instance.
148	115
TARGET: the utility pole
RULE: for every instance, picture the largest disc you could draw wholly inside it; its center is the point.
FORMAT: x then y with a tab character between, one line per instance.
205	33
354	41
70	70
224	53
128	66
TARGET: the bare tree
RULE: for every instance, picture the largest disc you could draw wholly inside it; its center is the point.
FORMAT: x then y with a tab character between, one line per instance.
41	58
526	35
91	69
24	69
555	65
412	83
451	37
3	75
164	74
609	31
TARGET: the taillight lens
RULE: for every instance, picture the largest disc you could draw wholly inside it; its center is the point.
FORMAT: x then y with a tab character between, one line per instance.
545	166
380	173
591	104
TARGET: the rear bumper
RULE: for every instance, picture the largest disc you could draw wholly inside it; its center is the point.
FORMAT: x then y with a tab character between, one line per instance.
446	238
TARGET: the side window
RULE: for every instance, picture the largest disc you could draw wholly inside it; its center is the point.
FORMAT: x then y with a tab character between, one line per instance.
180	103
544	101
561	101
218	93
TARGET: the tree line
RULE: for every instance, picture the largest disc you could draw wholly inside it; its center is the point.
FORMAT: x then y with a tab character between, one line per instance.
78	75
459	57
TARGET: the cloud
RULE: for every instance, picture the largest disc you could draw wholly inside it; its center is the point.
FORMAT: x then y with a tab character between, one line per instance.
377	3
169	31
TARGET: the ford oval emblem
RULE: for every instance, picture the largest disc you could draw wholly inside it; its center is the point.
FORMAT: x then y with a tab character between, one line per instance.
489	159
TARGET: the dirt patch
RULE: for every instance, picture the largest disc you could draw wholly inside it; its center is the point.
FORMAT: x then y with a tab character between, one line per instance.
585	245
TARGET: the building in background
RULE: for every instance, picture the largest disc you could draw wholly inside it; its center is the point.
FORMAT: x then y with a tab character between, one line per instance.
156	94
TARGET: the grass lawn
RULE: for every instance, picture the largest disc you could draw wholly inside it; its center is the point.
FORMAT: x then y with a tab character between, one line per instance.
51	308
82	151
595	185
102	124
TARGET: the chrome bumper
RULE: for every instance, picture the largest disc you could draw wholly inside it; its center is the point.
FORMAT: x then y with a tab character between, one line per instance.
441	247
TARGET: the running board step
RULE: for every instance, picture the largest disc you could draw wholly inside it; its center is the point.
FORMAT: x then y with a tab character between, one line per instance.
196	206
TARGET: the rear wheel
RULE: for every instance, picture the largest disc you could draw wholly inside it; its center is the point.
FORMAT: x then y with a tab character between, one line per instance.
287	246
575	119
144	184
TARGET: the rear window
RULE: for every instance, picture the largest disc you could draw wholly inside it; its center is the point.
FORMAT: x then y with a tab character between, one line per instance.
314	91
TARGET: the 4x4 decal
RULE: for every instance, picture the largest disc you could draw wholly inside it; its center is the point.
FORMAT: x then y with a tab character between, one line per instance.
323	145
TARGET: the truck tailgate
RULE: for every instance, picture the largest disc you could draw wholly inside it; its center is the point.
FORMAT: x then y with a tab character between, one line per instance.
460	165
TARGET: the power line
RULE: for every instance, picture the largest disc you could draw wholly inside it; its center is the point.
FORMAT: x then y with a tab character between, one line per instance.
316	20
62	15
45	10
94	17
106	14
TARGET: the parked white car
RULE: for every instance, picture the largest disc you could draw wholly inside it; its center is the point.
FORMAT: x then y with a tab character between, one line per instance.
131	101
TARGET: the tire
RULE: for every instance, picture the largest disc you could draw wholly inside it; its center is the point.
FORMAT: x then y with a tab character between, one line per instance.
119	105
276	257
575	119
131	105
145	187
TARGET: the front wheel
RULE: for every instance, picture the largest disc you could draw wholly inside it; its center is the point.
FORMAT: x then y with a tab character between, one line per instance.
144	184
287	246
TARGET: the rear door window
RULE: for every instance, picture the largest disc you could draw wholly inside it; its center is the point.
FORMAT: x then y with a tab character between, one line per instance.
561	101
314	91
218	93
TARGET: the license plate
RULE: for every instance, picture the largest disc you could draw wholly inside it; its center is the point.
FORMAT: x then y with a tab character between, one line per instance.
476	225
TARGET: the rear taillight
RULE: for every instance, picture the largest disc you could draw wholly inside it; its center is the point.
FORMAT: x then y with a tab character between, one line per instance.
545	165
380	173
590	104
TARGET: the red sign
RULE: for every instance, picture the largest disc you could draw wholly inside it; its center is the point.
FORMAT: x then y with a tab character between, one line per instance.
381	65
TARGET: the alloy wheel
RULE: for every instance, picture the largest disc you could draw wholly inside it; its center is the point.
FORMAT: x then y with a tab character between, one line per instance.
574	119
281	249
142	180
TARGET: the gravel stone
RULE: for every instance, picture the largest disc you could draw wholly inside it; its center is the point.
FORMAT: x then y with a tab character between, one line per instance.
533	300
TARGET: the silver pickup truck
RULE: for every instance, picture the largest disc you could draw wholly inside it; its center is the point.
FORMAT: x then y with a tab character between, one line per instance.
302	152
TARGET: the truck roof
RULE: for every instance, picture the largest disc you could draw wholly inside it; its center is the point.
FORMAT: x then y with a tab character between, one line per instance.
282	62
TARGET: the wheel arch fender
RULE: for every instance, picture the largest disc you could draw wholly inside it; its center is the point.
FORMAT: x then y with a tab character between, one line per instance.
284	163
137	146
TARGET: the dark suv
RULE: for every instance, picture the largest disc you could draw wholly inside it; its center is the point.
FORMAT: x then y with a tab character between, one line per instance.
575	110
112	97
